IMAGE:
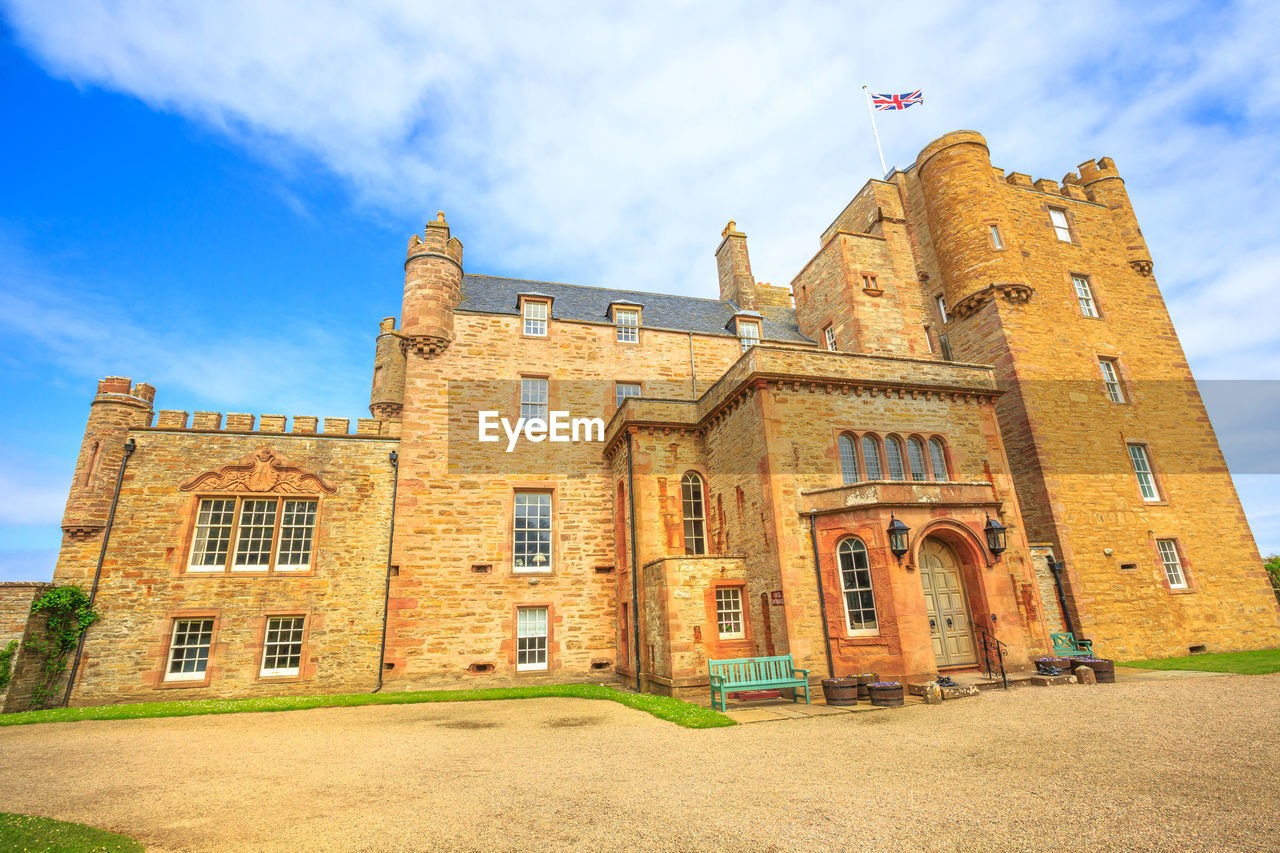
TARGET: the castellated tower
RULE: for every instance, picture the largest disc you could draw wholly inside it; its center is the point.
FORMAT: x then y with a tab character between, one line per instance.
432	289
386	400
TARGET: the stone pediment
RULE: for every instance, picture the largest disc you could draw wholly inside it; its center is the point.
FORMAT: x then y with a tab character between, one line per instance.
260	471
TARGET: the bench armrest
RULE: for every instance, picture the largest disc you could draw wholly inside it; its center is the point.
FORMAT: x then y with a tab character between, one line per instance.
717	680
805	672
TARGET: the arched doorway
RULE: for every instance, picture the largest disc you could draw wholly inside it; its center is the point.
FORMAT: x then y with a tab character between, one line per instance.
946	604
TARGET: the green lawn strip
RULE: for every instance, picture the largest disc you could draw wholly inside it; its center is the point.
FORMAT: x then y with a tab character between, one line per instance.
20	832
1242	663
664	708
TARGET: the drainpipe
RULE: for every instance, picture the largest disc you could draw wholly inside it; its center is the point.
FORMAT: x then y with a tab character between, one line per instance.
822	596
129	447
635	569
1056	569
391	539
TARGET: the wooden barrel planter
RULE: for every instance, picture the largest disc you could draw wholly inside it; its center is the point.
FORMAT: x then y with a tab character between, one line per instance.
864	679
840	691
1062	664
1104	671
887	694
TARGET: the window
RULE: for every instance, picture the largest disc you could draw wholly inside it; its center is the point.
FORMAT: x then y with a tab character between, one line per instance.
628	320
941	302
695	537
1084	295
189	650
945	343
893	452
915	455
938	457
533	398
871	457
995	237
1142	468
848	459
1172	564
1111	377
869	283
829	335
270	534
531	548
729	613
531	638
1060	226
535	318
749	332
623	390
282	646
855	578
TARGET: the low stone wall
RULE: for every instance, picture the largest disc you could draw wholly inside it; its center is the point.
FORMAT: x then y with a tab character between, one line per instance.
15	610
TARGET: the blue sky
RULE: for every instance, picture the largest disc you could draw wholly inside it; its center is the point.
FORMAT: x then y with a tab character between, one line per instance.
215	198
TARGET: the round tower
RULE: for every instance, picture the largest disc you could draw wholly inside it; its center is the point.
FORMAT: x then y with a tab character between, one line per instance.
1102	184
386	400
961	203
432	289
118	406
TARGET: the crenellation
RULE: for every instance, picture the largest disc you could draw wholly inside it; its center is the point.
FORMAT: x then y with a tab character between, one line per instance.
207	420
171	419
337	426
305	424
239	422
271	423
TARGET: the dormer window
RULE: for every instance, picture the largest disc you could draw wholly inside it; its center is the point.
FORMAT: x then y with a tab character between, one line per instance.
535	312
749	333
628	323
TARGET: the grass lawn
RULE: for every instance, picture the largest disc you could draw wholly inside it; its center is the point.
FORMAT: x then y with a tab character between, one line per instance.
664	708
25	832
1241	663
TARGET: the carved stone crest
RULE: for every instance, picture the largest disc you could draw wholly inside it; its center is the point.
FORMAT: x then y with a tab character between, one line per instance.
260	471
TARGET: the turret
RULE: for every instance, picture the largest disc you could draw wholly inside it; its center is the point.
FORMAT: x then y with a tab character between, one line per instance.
432	289
962	201
1102	184
734	267
118	406
386	400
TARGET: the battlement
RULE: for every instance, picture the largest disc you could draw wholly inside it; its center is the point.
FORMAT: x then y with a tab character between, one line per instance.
436	239
1067	188
123	386
176	420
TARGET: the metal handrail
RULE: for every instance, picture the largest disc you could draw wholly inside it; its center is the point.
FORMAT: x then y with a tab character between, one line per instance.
990	643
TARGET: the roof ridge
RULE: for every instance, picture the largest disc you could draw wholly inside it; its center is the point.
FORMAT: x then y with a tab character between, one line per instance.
597	287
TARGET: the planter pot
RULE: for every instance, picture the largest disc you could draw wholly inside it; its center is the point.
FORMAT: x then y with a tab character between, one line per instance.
1062	664
840	691
1104	671
865	678
887	697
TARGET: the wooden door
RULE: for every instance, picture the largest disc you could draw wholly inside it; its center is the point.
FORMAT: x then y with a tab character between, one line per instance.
946	605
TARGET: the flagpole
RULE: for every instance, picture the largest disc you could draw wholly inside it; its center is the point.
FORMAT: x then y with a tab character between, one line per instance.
884	169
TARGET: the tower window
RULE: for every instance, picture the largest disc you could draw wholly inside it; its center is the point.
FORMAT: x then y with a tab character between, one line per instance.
944	341
996	242
1084	295
535	318
1172	564
829	336
1061	227
691	499
1142	469
628	320
1111	378
941	302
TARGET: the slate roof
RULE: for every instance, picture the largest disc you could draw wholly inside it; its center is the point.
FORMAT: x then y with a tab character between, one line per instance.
487	294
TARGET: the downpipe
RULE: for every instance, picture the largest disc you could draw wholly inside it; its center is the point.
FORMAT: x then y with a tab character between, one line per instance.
394	459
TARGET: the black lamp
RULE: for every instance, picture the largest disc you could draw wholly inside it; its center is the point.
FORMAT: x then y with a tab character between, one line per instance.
897	537
995	536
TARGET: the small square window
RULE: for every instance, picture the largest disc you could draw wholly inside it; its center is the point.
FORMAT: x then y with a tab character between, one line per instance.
535	318
628	320
623	390
829	336
1060	225
748	333
1172	563
189	650
531	638
729	613
869	283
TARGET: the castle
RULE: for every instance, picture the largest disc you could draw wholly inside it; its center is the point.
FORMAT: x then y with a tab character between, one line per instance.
969	418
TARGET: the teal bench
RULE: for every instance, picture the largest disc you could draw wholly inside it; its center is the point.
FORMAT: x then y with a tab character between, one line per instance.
1066	645
731	676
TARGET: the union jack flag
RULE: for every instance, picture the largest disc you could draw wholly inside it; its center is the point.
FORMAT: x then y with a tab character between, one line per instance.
896	102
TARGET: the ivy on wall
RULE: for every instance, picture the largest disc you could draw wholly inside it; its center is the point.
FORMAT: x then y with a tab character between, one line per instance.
68	613
6	663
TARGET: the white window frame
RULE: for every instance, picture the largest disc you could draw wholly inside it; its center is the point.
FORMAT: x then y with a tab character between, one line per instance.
193	675
297	637
536	314
829	336
628	323
996	239
941	301
729	613
857	589
693	514
1061	224
237	537
1084	295
1111	379
521	525
1172	563
748	340
1141	462
209	511
535	395
623	390
533	637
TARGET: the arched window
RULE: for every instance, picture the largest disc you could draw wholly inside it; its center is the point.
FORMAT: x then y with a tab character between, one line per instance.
871	457
848	459
893	452
855	579
939	459
915	455
695	525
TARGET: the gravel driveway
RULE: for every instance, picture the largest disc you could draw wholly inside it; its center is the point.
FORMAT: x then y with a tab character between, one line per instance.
1186	764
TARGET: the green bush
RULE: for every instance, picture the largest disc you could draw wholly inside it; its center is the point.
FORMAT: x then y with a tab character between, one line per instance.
6	663
68	614
1273	571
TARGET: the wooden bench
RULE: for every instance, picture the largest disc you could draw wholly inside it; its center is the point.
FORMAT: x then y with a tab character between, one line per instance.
1066	645
740	674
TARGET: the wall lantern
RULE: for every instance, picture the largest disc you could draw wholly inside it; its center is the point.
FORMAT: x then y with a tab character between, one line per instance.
897	537
995	536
